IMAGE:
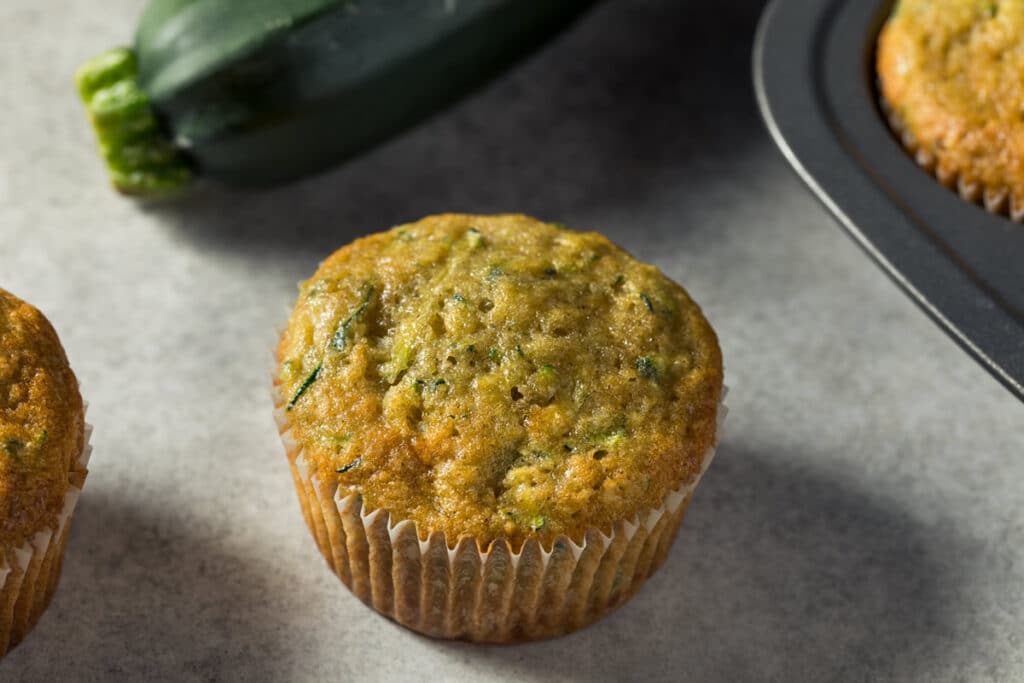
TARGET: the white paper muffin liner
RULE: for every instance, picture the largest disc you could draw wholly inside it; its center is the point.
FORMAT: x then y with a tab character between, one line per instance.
29	574
465	592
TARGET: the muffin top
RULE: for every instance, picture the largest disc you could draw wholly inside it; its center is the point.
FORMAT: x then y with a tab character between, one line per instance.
953	74
497	376
42	428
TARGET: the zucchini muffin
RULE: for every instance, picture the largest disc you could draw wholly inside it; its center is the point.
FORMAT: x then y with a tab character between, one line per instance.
43	455
952	80
495	424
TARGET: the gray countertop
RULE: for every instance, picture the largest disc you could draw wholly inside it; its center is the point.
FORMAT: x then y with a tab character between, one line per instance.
864	519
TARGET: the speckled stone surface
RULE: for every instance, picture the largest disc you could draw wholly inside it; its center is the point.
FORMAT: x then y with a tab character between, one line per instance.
864	519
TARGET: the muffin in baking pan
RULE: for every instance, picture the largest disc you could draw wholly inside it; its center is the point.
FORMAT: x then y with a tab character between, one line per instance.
952	81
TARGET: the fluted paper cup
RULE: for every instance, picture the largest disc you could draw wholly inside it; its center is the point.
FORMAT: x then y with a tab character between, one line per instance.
29	574
496	593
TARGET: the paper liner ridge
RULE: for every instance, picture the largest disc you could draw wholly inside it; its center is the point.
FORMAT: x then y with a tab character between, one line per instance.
495	594
26	588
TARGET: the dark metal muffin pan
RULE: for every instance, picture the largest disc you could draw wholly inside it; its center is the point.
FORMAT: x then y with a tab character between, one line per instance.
815	83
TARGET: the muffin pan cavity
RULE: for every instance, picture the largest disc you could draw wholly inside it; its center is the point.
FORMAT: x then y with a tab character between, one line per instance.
815	82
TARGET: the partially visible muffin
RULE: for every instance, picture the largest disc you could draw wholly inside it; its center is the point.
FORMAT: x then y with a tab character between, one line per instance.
42	463
497	383
952	78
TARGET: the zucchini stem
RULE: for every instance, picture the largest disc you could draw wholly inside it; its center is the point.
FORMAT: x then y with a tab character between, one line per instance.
141	159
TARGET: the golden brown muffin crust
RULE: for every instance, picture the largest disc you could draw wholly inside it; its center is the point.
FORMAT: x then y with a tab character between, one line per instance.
42	429
953	74
498	376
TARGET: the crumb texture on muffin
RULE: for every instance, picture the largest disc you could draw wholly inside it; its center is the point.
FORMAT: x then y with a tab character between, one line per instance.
952	73
496	376
42	428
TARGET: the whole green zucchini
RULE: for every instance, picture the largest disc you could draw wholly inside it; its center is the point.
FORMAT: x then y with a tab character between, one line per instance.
258	92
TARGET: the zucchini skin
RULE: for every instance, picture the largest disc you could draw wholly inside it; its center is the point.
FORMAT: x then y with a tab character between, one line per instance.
277	101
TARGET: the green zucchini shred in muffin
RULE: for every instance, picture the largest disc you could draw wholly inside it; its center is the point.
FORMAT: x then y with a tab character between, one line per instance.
496	376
